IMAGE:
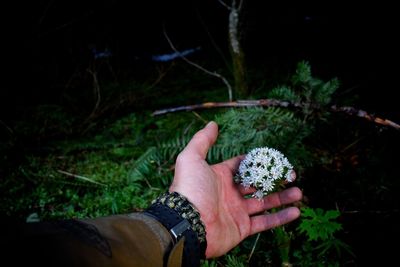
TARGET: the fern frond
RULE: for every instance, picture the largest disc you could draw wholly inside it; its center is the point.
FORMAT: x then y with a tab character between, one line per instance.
244	129
171	148
142	165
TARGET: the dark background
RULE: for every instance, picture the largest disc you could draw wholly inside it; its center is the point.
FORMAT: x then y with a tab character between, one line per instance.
46	41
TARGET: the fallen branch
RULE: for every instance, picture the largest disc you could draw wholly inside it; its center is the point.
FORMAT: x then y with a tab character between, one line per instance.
363	114
232	104
277	103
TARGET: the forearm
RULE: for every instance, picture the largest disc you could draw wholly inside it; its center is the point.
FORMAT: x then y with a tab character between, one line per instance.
131	239
122	240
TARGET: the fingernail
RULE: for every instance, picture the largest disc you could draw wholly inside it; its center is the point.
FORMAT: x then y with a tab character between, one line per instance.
211	122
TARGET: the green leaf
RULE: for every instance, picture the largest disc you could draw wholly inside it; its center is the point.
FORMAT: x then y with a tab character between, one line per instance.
318	225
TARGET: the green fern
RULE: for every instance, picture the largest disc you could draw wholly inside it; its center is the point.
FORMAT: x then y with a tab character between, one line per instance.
171	148
142	166
147	167
244	129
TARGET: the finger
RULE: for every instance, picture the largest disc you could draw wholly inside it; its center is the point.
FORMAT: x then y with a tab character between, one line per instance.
273	200
202	141
265	222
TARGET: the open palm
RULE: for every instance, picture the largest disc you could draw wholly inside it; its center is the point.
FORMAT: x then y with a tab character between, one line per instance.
228	216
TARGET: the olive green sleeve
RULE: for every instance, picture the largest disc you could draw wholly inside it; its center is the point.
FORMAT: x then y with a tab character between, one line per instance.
120	240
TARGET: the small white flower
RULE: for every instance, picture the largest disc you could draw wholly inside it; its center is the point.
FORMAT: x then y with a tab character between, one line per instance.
263	168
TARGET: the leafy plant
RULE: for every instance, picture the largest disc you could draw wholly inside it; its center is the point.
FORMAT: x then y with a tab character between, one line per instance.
283	238
318	224
121	166
321	247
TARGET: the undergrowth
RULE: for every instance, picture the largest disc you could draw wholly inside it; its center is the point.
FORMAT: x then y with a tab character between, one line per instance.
120	166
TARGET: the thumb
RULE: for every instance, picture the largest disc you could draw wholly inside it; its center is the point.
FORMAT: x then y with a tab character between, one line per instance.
202	141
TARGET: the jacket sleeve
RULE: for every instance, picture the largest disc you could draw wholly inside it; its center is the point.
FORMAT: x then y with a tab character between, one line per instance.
121	240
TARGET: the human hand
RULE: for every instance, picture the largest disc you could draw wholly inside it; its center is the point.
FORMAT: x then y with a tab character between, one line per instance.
228	216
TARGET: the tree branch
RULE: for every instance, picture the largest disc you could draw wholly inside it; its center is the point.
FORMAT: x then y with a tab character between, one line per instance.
363	114
278	103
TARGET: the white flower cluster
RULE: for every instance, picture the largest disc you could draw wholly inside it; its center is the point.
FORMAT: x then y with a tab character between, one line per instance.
263	168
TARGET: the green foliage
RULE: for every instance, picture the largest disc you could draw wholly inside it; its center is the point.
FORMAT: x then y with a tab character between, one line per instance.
334	244
209	263
112	172
303	73
283	129
318	225
142	166
171	148
120	137
253	126
286	130
245	129
307	257
120	166
282	238
321	247
45	121
233	258
313	90
234	261
312	94
284	93
102	187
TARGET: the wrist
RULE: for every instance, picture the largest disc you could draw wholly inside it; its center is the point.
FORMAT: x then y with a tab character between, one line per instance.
182	220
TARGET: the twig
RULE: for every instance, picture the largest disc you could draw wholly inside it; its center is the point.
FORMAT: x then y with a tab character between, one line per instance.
199	117
233	4
96	91
6	126
240	5
49	4
370	211
278	103
254	247
224	4
80	177
215	74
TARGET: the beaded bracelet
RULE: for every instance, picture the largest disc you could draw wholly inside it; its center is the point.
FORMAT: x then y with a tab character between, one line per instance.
186	210
182	205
